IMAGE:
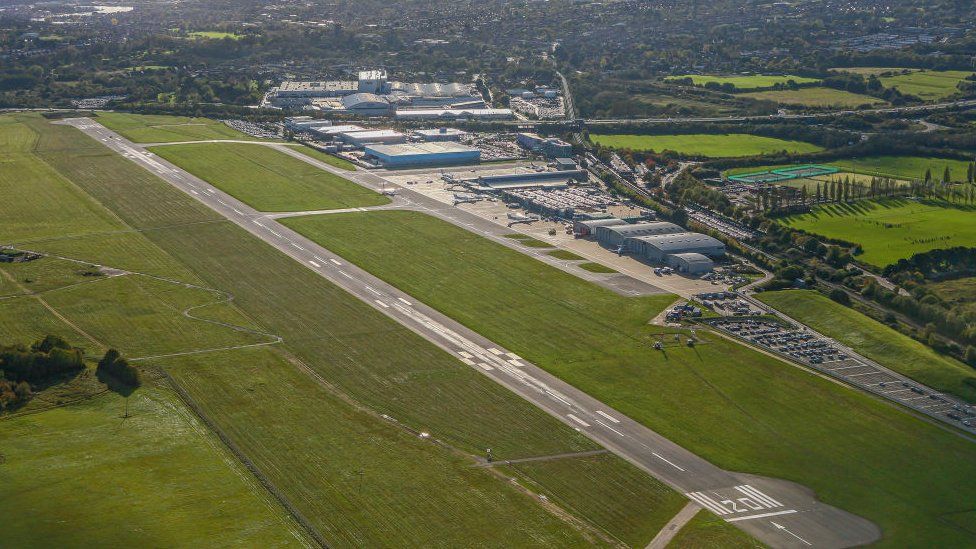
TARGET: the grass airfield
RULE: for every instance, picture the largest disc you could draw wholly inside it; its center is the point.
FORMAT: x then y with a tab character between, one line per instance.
738	408
708	145
308	412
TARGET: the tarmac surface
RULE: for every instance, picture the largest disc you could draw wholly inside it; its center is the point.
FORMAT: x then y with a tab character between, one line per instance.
776	512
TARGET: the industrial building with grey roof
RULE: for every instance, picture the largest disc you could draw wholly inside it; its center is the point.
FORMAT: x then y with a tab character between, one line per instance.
613	236
658	247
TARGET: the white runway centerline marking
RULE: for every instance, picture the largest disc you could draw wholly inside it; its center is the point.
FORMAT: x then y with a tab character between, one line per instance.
668	461
297	246
609	427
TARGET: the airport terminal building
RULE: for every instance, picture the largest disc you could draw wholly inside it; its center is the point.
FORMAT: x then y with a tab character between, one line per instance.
445	153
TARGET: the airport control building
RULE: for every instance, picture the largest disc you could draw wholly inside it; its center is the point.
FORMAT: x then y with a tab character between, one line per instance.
423	154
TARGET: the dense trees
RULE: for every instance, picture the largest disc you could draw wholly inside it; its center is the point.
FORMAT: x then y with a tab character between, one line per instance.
113	367
44	361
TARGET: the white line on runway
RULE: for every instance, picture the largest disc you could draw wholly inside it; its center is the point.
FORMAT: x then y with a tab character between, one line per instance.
609	427
371	289
314	264
494	351
467	361
334	261
578	420
669	462
608	416
762	515
297	246
708	503
345	274
404	301
485	366
238	212
272	231
194	192
760	496
384	305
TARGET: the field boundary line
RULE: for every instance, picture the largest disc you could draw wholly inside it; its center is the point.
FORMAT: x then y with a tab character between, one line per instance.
244	460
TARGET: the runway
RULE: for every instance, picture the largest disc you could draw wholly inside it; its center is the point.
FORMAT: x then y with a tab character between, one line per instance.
778	513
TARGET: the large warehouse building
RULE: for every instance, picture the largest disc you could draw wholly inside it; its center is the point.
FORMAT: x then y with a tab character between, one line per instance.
586	227
613	236
423	154
360	138
657	248
690	263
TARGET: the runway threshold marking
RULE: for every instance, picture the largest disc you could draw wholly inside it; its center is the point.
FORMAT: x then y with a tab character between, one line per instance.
668	461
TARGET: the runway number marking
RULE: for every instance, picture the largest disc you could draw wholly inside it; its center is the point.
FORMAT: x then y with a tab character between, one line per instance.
747	500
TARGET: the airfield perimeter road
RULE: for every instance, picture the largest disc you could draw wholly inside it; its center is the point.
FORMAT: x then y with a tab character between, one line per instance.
778	513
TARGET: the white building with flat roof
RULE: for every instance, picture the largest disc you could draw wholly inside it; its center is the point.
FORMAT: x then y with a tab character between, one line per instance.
423	154
361	138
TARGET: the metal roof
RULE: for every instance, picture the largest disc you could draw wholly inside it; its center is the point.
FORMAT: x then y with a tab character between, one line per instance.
692	258
420	148
680	241
652	228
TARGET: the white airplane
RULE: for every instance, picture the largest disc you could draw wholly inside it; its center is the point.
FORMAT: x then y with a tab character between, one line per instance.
514	219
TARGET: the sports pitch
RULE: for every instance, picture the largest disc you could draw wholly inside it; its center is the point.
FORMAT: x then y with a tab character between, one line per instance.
708	145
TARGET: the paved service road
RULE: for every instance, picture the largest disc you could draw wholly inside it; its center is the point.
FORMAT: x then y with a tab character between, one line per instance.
778	513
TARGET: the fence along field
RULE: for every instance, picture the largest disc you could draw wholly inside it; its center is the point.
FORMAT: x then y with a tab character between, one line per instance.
371	365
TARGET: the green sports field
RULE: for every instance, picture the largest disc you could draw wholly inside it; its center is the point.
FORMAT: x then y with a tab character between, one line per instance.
876	341
153	128
750	412
331	415
892	229
709	145
744	82
214	35
815	97
267	179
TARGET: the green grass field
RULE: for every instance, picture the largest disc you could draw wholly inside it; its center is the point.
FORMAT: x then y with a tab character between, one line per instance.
815	97
706	531
893	229
325	157
924	84
268	180
79	475
751	82
214	35
566	255
573	482
751	412
597	268
307	412
709	145
155	128
876	341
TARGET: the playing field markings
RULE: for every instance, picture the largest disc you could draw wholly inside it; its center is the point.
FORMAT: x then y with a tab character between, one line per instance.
578	420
